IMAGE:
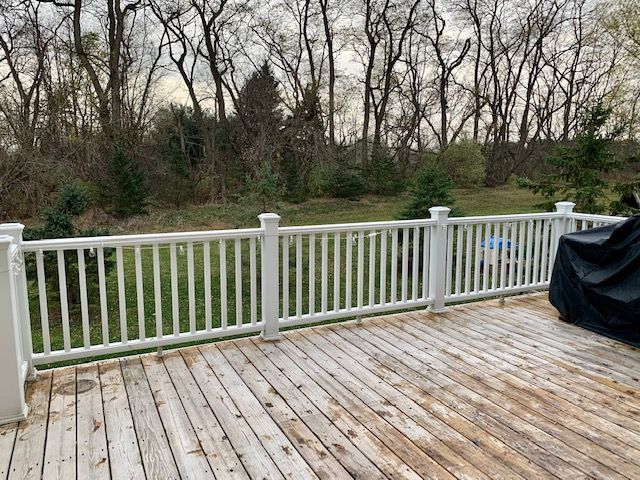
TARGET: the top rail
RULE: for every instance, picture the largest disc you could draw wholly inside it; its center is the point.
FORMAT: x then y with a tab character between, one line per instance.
349	227
597	218
147	239
504	218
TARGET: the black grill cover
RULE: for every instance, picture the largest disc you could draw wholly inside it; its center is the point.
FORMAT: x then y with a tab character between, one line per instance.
596	280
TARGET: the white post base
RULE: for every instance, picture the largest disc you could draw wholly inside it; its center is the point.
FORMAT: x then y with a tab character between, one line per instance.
358	320
270	338
434	309
15	418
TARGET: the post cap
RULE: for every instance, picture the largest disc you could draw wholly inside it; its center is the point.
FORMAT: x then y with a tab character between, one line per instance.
439	214
269	217
565	207
440	210
11	228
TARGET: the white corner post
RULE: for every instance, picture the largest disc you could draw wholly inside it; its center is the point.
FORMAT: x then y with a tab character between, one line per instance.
12	374
562	224
269	279
438	257
15	230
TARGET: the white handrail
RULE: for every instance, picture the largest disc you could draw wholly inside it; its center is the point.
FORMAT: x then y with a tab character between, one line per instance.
142	239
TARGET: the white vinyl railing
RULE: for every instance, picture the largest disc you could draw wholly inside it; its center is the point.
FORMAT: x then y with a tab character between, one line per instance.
74	298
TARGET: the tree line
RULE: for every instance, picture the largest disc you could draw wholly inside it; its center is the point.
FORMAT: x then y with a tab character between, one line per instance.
208	100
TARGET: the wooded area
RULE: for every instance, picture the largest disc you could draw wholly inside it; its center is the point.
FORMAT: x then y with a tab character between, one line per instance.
192	101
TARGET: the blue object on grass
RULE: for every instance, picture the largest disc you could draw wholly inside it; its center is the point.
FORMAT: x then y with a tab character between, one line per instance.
492	242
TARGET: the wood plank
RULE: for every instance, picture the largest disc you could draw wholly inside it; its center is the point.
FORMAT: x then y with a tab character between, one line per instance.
93	455
590	405
60	452
317	456
421	370
554	407
28	450
582	367
449	409
214	442
367	415
601	360
589	389
565	443
189	456
8	435
534	320
458	447
247	445
481	440
620	358
569	378
281	450
338	443
124	451
345	420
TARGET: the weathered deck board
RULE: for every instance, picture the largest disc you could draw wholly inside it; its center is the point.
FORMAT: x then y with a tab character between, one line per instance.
93	459
486	390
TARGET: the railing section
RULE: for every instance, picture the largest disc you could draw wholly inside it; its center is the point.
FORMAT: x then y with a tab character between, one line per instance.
335	271
100	295
109	294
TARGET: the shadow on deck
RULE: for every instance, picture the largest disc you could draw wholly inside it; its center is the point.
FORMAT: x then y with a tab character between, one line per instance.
483	391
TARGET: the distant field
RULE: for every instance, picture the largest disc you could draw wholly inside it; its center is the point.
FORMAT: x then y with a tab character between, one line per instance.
478	201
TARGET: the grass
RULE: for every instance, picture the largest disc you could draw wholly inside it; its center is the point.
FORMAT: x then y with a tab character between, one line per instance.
477	201
480	201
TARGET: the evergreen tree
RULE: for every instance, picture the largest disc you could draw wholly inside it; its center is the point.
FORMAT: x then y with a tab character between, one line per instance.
126	191
580	168
431	187
259	104
304	145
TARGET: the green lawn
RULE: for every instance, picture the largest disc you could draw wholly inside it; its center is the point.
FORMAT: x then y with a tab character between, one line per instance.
482	201
478	201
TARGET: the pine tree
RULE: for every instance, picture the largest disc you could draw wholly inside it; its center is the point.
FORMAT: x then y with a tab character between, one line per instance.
126	192
580	168
431	187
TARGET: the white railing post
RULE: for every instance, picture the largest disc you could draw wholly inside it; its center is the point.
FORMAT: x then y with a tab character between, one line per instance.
562	224
15	230
270	274
438	258
12	403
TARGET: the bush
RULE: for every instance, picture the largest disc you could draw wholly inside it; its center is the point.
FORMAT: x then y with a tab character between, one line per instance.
431	187
464	163
322	179
126	191
349	184
382	175
58	222
335	180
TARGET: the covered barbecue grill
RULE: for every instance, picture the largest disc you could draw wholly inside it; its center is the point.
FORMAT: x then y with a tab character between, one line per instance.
596	280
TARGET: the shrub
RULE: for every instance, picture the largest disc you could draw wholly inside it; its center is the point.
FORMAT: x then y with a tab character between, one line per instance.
464	163
126	191
322	179
382	175
431	187
349	184
336	180
58	222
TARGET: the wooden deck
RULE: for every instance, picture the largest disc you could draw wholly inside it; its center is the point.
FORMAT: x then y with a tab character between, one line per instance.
483	391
